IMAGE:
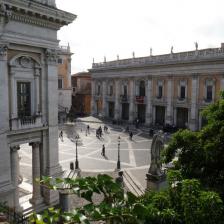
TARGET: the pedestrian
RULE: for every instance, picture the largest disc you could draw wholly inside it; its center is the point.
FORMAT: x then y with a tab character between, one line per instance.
103	150
61	136
88	129
151	132
131	135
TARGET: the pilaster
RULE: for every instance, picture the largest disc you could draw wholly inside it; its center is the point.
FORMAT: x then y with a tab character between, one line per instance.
104	103
132	97
93	103
149	102
117	100
193	124
169	110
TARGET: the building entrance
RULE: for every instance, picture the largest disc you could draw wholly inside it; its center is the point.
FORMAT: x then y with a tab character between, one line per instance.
111	109
182	117
141	112
160	115
125	111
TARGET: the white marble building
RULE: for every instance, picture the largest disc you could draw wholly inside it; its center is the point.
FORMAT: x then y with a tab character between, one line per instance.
29	92
163	89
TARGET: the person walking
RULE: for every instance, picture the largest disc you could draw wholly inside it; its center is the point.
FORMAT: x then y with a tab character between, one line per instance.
103	151
131	135
88	129
61	135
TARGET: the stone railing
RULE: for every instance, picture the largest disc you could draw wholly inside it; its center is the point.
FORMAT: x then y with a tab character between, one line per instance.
179	100
209	53
26	122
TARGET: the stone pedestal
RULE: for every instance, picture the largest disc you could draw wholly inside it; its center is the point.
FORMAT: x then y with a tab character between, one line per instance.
155	182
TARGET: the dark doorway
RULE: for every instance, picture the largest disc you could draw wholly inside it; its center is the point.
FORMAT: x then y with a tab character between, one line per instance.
111	109
160	115
182	117
141	112
125	111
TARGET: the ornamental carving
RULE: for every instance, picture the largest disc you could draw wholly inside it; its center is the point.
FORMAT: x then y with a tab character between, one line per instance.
51	56
3	51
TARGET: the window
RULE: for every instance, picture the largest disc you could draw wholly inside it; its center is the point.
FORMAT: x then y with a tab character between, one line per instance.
111	90
23	99
98	90
209	93
142	88
60	84
60	61
125	90
182	92
160	92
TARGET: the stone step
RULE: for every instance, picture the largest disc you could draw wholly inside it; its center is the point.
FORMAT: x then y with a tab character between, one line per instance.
132	185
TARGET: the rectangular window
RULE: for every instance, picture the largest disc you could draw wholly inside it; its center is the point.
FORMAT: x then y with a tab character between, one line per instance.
23	99
111	90
98	90
60	61
209	93
125	90
160	92
60	84
182	92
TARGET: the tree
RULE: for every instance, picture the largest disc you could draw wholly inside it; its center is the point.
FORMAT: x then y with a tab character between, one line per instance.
201	154
184	202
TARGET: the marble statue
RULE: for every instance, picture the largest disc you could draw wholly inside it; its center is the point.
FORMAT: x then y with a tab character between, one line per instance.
156	148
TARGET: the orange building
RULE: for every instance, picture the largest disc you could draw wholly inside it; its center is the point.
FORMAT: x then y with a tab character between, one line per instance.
81	94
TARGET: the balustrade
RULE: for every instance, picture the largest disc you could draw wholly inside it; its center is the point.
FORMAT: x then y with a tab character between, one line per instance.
26	122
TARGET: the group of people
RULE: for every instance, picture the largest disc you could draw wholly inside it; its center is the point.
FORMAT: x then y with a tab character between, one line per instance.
99	132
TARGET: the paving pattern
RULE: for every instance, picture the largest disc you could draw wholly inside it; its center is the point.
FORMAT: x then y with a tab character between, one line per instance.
134	154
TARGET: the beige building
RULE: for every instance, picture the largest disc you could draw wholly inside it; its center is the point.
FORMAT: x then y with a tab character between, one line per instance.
64	83
29	94
162	89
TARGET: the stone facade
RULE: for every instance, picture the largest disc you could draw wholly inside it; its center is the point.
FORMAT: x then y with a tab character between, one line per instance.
158	90
28	92
64	83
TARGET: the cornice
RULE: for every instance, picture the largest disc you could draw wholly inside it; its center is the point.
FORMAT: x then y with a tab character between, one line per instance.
35	13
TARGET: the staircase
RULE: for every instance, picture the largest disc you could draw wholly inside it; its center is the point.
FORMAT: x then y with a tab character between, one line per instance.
132	185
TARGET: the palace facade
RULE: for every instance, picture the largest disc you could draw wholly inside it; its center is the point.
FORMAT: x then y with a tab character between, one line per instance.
163	89
29	94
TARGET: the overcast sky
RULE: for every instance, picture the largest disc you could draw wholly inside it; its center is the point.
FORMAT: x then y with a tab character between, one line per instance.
119	27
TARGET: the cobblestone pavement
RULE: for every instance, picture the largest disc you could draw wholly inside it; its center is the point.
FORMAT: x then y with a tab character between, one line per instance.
134	155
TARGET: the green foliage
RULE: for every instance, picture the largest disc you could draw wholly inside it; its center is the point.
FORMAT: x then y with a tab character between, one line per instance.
201	154
183	202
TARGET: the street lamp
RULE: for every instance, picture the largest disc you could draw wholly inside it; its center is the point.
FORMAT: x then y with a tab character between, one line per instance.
118	154
76	156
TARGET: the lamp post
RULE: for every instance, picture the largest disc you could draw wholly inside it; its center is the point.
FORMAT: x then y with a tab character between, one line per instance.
118	154
76	156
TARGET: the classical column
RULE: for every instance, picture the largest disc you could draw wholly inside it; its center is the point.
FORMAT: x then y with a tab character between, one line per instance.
149	102
37	198
104	102
15	175
50	139
93	102
193	124
117	100
132	101
37	90
169	109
